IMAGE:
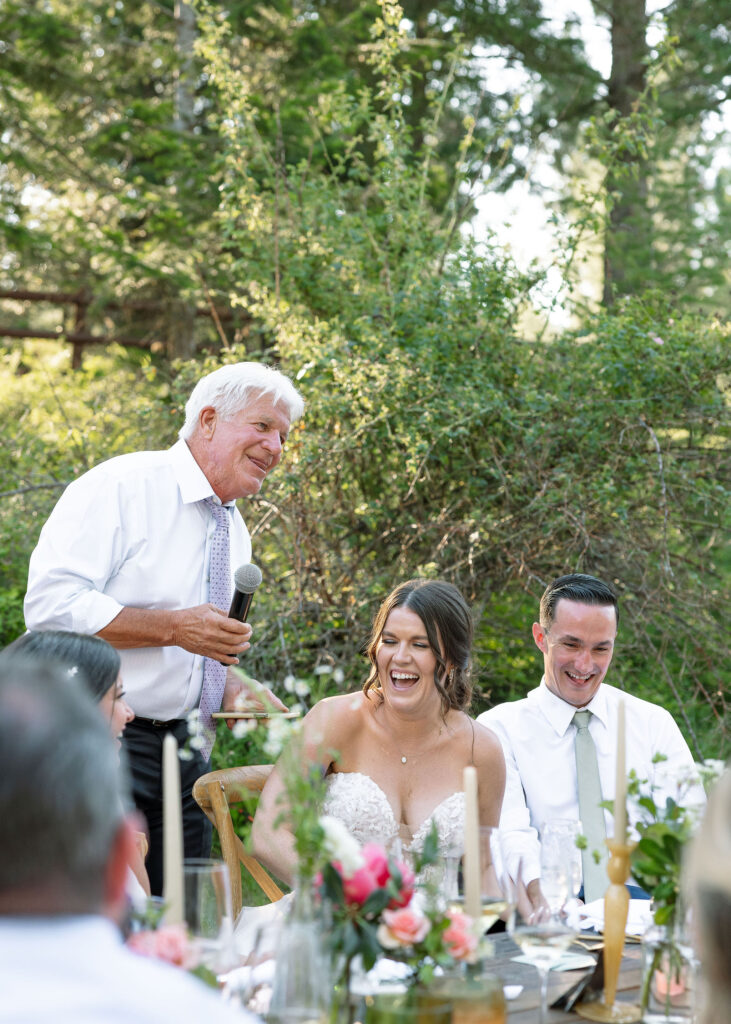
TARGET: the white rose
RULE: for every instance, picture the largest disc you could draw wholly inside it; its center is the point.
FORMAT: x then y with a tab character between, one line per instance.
341	846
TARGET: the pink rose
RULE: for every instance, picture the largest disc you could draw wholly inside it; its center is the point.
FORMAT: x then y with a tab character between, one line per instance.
358	887
376	861
459	937
169	943
406	891
403	927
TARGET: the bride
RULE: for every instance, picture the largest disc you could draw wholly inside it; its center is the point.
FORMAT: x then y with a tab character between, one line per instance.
394	753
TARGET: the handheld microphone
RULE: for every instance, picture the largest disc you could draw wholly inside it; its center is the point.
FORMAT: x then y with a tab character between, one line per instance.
246	579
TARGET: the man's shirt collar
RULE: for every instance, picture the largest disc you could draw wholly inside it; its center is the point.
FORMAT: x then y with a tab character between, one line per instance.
192	481
559	713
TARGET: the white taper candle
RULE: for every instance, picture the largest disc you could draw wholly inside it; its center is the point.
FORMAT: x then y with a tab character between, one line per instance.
172	824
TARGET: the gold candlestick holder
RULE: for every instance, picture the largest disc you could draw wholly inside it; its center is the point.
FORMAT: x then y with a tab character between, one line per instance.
616	908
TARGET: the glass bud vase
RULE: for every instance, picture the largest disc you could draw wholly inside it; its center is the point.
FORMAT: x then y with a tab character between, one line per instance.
302	987
669	978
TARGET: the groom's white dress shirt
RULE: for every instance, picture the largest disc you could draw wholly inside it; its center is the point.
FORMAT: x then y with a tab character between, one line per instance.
537	736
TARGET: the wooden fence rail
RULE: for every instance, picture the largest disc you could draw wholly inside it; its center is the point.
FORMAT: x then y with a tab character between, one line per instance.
80	336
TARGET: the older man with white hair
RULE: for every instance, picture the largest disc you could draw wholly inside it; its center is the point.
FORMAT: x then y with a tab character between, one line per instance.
141	551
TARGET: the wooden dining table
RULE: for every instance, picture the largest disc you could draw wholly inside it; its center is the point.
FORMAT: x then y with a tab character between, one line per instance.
525	1008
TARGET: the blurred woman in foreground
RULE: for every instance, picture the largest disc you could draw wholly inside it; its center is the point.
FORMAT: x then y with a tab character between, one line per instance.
97	664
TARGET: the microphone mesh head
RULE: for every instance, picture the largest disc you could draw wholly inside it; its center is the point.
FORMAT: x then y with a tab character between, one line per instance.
247	578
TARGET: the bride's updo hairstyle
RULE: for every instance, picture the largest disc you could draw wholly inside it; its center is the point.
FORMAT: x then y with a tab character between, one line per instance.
448	625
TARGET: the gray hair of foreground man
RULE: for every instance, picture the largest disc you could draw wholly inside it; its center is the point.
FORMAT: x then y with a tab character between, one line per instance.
60	800
576	586
231	388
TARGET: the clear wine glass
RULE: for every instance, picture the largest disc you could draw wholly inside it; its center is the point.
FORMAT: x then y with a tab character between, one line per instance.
543	937
208	912
496	889
250	987
560	862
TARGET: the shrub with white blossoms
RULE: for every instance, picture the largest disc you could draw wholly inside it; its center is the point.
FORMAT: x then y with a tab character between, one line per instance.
280	731
196	736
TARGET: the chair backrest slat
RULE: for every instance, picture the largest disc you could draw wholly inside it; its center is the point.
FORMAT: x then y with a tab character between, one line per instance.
214	793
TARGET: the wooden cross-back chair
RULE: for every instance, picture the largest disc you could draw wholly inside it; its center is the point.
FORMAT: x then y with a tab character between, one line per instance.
214	793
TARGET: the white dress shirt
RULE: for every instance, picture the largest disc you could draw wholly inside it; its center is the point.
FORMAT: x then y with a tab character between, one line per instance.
537	735
133	532
76	970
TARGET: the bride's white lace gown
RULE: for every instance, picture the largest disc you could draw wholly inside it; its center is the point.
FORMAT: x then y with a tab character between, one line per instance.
363	808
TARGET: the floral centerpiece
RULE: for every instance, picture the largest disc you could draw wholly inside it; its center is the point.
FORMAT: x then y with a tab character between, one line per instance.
378	910
172	944
370	901
664	826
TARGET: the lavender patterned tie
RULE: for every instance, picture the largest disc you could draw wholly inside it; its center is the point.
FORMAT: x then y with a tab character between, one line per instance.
219	593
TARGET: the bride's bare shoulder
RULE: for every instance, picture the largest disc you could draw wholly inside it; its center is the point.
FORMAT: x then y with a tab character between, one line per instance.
340	714
487	744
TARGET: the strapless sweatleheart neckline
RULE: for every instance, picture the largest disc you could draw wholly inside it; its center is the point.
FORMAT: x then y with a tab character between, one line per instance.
362	806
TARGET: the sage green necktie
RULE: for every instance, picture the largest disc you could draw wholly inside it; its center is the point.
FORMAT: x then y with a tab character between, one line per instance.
592	815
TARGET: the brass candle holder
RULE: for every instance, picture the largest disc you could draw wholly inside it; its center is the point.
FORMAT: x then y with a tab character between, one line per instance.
616	908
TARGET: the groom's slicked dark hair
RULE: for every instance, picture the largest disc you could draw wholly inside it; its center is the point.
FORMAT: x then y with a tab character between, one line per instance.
576	586
60	799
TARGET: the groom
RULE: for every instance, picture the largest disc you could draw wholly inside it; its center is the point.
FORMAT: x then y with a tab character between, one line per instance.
547	773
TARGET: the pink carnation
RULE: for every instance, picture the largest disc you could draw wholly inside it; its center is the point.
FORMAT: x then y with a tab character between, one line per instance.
408	882
359	886
459	937
402	927
374	874
169	943
376	861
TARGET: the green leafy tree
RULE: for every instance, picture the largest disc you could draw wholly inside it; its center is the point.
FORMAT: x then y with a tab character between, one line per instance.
437	440
667	212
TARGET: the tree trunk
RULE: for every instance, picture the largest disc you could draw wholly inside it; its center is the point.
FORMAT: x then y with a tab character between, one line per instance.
628	240
181	331
185	33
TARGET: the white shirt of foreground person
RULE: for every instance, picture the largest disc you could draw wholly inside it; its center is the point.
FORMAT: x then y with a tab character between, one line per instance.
133	531
537	736
76	970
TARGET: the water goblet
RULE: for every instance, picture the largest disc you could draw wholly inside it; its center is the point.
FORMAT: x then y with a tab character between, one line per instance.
543	937
496	894
208	912
250	987
558	838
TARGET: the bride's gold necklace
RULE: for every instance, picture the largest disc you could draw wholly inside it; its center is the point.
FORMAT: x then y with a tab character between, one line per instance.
410	758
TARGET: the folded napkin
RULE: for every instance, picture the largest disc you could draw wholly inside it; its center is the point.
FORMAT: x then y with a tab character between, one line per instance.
386	976
252	921
568	962
592	916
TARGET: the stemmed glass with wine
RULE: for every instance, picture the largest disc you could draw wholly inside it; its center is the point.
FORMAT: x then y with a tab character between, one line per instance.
541	932
496	888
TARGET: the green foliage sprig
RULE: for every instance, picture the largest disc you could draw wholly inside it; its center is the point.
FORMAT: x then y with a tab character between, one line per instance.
664	829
